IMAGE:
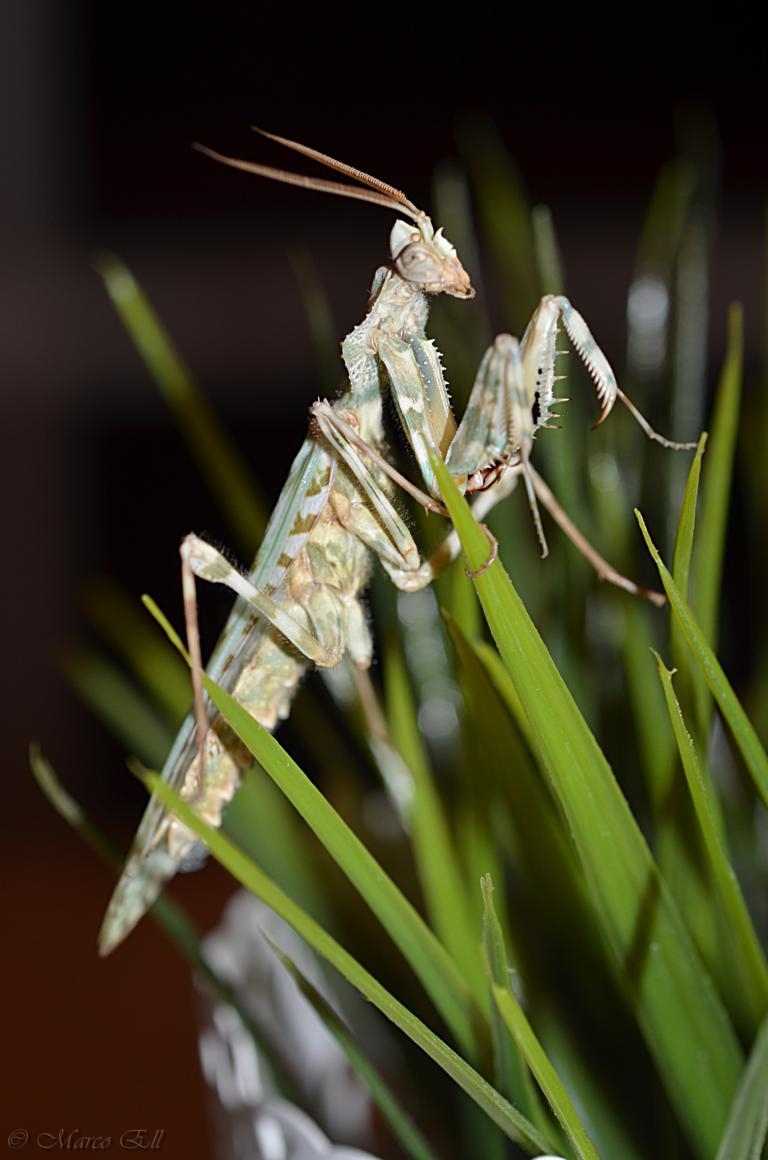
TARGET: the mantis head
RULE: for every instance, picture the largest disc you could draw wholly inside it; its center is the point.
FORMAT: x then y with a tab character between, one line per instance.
427	259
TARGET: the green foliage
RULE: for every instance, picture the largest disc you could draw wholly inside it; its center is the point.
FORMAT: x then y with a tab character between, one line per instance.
614	965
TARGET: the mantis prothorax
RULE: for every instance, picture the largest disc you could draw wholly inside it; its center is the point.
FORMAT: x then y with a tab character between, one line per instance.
300	603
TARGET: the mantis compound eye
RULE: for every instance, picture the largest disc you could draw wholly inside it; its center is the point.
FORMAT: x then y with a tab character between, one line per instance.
418	263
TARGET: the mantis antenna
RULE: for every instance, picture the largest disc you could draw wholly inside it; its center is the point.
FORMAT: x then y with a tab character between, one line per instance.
378	192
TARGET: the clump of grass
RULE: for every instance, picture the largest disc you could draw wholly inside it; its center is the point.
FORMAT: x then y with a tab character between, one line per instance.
566	960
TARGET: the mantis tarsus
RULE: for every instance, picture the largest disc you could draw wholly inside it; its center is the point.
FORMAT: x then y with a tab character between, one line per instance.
300	602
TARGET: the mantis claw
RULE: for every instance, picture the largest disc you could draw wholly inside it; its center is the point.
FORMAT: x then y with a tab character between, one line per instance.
492	557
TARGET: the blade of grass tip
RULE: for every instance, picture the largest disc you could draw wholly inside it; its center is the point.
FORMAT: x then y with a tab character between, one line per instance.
549	1081
426	955
220	463
716	488
755	757
171	919
119	705
741	947
745	1134
440	876
400	1122
146	652
678	1011
511	1073
693	685
500	1111
322	329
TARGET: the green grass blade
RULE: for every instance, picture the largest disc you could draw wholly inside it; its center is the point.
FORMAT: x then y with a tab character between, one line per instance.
511	1122
740	945
665	218
548	263
755	757
116	701
220	463
440	875
425	954
400	1122
510	1070
548	1079
683	1021
504	216
693	683
322	329
123	623
745	1135
460	334
716	490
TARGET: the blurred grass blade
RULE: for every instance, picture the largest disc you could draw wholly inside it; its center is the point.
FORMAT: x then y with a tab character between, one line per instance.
746	738
400	1122
511	1122
549	1081
123	622
220	463
740	946
460	334
716	489
322	329
548	264
440	875
664	221
69	809
511	1073
425	954
116	701
684	1023
504	216
745	1134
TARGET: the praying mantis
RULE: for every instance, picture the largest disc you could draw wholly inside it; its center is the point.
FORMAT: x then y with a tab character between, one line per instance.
300	603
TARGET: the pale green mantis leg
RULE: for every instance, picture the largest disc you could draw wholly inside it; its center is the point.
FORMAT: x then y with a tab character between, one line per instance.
324	647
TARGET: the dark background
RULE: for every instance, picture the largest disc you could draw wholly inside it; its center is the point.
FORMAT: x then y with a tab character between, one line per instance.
98	106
